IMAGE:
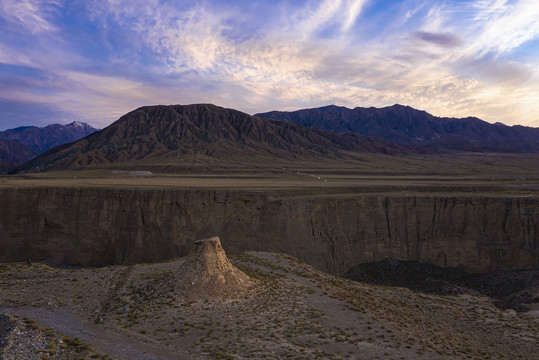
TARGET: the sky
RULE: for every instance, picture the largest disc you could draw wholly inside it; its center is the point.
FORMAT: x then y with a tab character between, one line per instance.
95	60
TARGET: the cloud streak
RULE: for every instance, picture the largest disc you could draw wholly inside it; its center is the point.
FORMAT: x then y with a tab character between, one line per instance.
505	25
29	14
448	40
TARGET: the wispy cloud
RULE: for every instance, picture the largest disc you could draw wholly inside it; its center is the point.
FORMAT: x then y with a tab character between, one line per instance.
451	58
29	14
493	26
28	113
353	8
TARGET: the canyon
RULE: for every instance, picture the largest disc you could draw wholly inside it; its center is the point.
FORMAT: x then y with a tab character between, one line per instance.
331	228
147	186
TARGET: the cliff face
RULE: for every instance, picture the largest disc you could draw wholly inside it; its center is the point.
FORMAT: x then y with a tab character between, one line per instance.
93	226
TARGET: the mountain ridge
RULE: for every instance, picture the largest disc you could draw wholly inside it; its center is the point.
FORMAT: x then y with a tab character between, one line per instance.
416	128
41	139
13	154
21	144
166	134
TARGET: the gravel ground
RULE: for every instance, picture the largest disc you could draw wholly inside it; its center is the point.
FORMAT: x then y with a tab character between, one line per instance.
291	311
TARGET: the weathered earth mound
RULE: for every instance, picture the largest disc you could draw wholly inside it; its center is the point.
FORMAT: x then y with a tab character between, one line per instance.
207	273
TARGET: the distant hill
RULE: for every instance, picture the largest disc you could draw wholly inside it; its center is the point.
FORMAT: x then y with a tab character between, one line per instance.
13	154
201	133
419	129
41	139
21	144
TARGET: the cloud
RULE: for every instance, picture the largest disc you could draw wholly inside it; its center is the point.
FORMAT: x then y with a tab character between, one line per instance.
313	19
448	40
492	26
23	113
342	14
30	15
33	80
505	73
255	56
353	8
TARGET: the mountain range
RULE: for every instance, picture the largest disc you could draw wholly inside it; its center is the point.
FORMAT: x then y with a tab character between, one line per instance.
418	129
21	144
204	136
13	154
41	139
164	136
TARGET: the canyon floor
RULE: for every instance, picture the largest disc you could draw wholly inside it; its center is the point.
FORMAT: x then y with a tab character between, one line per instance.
291	311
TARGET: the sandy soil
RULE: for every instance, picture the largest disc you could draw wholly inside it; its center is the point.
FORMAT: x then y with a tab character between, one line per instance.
292	311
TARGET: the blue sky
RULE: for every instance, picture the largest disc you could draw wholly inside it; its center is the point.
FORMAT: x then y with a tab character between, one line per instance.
95	60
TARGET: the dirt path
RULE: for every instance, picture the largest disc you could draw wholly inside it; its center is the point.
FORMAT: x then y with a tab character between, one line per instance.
101	338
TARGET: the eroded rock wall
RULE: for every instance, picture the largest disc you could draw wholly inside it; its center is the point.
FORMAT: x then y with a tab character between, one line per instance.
96	226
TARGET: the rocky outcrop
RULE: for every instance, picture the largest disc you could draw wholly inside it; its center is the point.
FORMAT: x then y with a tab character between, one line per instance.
207	273
96	226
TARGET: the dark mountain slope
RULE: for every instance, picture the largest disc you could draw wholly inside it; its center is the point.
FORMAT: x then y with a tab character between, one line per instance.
411	127
41	139
13	154
159	135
